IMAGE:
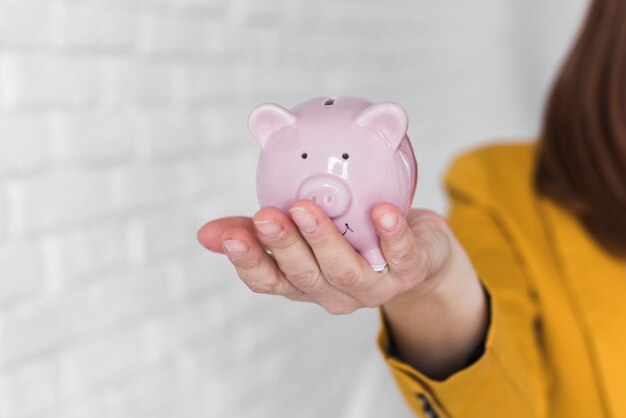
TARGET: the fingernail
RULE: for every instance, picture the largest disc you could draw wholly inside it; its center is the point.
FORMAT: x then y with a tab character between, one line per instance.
388	221
235	247
305	221
268	228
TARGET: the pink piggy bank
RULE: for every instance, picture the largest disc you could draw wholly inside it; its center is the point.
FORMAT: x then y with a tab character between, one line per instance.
346	154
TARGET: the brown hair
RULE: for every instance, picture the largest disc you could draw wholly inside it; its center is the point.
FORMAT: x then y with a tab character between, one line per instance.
582	152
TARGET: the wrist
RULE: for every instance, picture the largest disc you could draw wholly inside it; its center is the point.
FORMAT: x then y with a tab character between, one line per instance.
437	326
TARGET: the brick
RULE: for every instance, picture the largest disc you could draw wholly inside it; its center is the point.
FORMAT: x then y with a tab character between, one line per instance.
3	216
263	16
8	394
102	361
37	80
242	179
175	133
225	126
190	400
143	6
207	83
25	142
26	23
42	326
21	270
250	39
99	26
56	199
131	82
36	387
143	185
236	198
95	137
164	234
130	297
209	10
85	253
199	270
216	397
234	169
91	407
150	394
216	39
203	175
170	332
174	35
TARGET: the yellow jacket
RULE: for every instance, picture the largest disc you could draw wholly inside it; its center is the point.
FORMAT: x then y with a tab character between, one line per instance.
556	343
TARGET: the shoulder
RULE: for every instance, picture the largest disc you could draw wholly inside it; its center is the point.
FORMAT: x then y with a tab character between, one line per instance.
494	174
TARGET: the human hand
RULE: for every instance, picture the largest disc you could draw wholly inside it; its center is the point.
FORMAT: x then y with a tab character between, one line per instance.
311	261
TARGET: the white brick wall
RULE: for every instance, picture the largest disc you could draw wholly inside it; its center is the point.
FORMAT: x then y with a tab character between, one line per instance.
123	129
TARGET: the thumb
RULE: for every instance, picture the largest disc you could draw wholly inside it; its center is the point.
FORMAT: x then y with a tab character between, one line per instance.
415	247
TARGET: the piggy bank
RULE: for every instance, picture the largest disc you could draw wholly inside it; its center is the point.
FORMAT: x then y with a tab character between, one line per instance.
346	154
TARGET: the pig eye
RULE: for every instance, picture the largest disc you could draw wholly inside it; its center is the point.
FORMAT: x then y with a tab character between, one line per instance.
304	155
345	156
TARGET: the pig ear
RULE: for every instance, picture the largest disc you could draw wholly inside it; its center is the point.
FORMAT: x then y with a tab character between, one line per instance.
387	118
267	118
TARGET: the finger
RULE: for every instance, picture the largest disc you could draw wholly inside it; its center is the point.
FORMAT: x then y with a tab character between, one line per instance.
297	262
255	267
210	235
339	262
396	240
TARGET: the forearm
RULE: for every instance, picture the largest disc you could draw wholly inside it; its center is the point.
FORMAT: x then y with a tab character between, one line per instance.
436	327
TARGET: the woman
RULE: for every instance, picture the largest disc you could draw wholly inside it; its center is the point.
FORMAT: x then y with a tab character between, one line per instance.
512	307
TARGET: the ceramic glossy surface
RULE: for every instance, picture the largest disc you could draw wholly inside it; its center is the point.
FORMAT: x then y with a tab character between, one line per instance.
345	153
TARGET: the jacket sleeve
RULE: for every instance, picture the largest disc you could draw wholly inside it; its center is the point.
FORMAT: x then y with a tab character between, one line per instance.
508	379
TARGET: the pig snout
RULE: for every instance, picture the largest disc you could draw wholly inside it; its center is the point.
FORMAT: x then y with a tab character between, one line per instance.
331	193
